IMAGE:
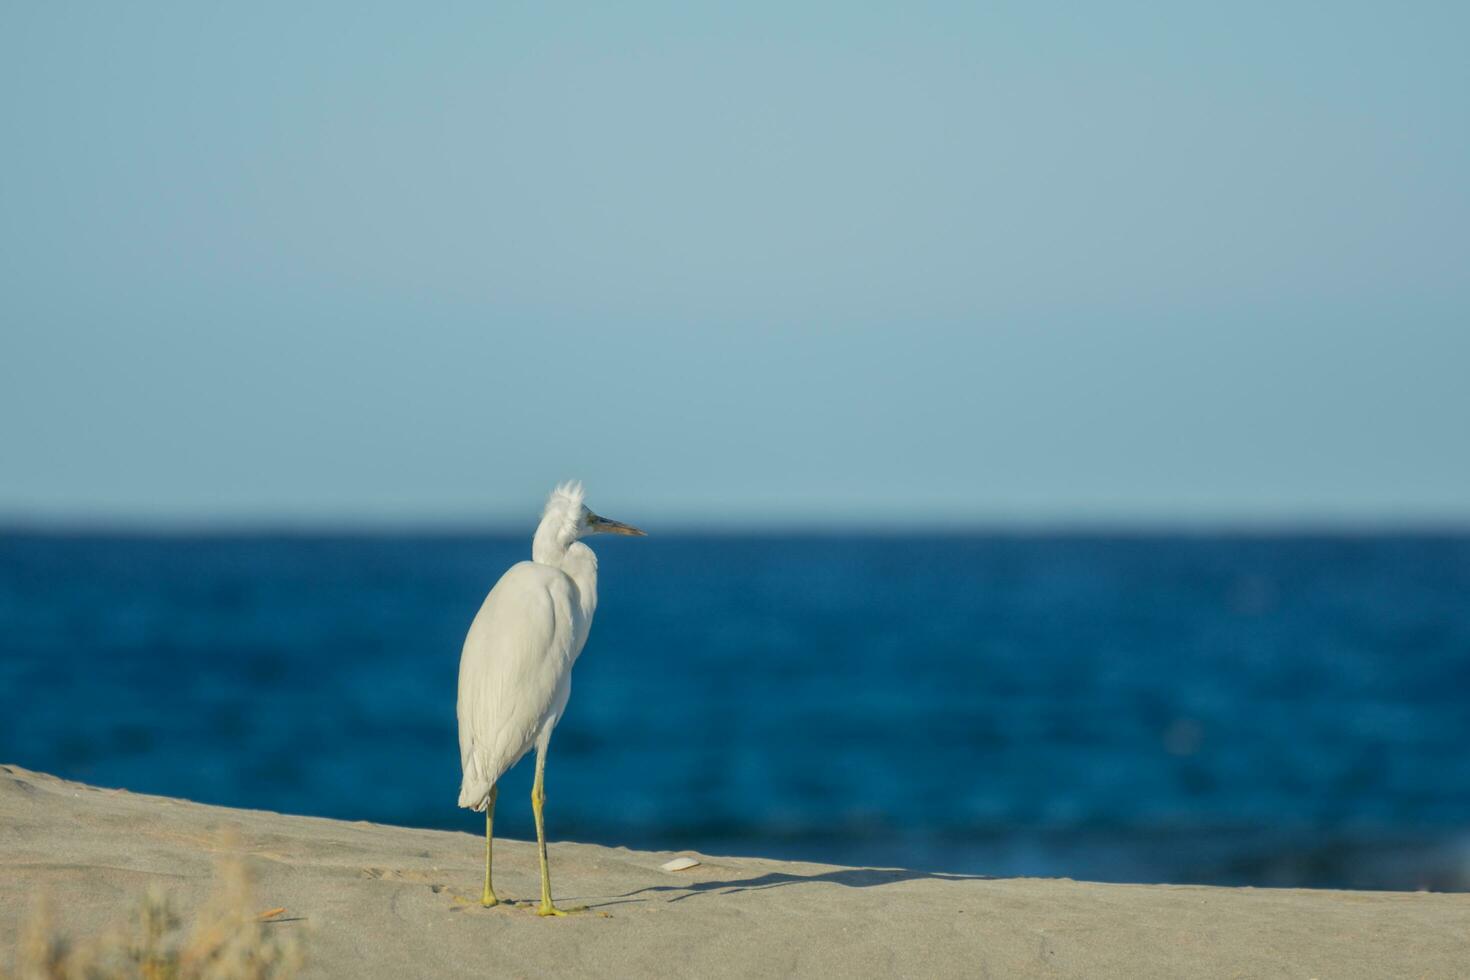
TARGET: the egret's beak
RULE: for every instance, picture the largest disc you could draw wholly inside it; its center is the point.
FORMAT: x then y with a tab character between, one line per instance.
601	525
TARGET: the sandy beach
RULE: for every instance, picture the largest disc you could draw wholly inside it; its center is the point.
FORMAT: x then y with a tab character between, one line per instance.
366	900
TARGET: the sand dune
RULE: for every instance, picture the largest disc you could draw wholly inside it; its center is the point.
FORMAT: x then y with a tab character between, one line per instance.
374	901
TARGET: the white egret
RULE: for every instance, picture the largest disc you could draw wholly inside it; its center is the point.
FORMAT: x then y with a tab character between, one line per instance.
515	672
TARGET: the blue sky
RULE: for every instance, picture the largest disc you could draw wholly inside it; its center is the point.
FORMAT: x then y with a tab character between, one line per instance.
763	262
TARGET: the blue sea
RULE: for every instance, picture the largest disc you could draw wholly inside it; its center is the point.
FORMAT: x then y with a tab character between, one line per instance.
1232	709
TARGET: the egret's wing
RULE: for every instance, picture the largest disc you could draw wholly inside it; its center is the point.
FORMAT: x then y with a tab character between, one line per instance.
517	653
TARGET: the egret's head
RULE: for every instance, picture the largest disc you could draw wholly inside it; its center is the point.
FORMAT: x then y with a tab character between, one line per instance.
566	517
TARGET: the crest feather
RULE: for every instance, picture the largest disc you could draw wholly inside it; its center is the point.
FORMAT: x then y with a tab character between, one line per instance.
568	494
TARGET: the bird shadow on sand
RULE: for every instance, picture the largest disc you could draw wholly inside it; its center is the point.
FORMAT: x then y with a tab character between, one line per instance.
846	877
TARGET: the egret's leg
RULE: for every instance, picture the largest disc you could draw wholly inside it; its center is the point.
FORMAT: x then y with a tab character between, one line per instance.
538	801
487	897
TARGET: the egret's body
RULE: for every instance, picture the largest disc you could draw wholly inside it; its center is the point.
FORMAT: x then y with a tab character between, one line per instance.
515	672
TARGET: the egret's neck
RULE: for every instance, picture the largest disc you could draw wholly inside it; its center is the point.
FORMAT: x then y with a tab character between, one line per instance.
580	564
551	547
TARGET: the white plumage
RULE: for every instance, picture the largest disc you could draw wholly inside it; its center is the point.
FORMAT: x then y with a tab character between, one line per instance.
515	671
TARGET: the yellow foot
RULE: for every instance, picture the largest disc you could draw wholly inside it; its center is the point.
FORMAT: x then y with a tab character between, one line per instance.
488	900
547	908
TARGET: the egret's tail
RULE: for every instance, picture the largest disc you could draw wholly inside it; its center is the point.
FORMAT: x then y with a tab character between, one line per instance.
474	789
474	797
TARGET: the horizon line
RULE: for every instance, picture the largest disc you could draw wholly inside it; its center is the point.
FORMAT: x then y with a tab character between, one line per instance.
684	527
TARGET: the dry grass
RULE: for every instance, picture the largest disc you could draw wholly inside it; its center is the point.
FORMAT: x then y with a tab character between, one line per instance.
230	939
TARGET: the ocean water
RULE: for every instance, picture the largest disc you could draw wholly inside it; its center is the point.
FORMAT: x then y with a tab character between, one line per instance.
1268	710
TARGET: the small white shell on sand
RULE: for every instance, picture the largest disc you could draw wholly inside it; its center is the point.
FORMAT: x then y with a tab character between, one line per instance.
679	864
